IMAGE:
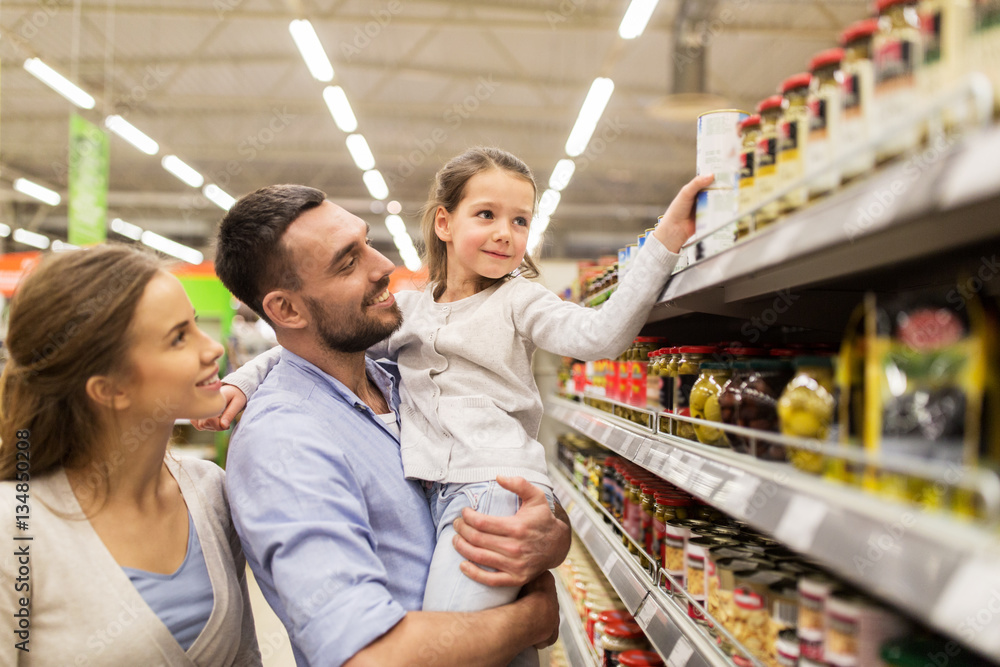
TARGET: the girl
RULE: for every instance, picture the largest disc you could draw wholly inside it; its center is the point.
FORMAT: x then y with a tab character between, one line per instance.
124	556
471	410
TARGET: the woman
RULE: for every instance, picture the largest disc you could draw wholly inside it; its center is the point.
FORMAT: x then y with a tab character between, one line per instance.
121	554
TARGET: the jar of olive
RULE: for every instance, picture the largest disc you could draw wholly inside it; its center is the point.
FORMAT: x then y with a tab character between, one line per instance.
729	403
793	134
759	402
766	183
688	367
667	508
705	402
807	409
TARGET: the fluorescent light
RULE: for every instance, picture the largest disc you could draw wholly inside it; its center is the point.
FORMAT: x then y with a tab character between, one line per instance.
218	196
590	113
31	238
540	223
340	108
178	168
403	242
411	259
59	83
173	248
311	49
395	225
4	230
131	134
62	246
561	174
133	232
376	184
362	155
636	17
394	207
548	203
39	192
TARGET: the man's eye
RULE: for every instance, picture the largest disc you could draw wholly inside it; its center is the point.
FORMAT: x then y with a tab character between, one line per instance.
368	241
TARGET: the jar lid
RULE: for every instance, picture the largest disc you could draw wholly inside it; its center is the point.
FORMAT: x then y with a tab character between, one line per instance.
882	5
624	630
826	58
639	659
671	501
773	102
614	616
814	361
769	365
746	351
751	121
782	352
796	81
697	349
649	339
859	30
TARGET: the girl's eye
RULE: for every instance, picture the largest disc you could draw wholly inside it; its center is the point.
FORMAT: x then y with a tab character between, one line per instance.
523	222
488	215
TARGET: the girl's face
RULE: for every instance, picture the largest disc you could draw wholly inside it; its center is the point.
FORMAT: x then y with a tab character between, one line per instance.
174	374
487	233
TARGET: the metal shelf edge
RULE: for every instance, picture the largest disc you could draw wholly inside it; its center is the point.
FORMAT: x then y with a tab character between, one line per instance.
578	650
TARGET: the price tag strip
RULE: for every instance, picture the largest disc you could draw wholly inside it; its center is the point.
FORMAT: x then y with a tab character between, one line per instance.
680	654
734	496
647	613
800	522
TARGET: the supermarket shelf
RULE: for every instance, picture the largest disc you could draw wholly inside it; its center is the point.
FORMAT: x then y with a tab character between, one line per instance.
941	571
944	199
571	632
671	632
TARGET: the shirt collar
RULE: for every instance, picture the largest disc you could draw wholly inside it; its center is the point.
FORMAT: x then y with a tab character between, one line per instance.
384	380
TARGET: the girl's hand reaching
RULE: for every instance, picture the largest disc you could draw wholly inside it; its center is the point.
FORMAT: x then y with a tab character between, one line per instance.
677	225
236	400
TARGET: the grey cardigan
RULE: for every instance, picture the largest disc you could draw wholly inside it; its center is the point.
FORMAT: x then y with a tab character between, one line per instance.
83	608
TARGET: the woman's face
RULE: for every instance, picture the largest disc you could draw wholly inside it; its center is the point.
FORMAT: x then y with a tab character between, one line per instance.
173	370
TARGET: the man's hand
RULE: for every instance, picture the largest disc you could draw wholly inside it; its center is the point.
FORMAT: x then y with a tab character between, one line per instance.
543	589
519	547
235	402
677	225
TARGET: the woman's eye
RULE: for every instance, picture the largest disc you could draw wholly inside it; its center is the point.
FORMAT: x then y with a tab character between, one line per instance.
179	338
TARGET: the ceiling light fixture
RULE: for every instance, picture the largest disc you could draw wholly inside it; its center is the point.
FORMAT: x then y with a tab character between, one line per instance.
376	184
183	171
33	239
561	174
340	108
218	196
636	17
131	134
395	225
39	192
311	49
590	113
361	153
126	229
4	230
59	83
172	248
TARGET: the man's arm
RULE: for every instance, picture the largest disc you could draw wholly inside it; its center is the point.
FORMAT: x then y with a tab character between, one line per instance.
519	547
489	637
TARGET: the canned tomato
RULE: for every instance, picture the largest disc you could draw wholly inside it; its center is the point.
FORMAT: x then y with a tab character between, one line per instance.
719	147
712	209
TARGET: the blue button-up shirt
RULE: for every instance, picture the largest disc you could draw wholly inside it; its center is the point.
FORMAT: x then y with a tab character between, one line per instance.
339	541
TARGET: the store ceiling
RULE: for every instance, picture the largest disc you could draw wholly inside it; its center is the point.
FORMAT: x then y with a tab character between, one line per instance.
221	85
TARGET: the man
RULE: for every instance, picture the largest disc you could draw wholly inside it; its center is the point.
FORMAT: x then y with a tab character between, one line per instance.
338	539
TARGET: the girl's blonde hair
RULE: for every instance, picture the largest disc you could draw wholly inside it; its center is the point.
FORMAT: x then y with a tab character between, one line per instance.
447	191
69	321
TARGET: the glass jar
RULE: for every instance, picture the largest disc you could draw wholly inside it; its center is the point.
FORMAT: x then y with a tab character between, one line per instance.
814	590
825	103
632	513
766	179
675	535
606	618
729	403
653	379
691	358
793	135
808	408
640	659
620	637
759	403
666	380
750	134
898	55
704	402
608	485
648	500
639	370
858	72
668	508
601	611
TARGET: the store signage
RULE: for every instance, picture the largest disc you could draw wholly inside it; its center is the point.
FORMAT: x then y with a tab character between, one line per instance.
88	182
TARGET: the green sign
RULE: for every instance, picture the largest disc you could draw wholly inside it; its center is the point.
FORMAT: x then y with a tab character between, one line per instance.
88	182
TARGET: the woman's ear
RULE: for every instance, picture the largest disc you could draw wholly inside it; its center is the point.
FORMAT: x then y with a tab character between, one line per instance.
442	224
106	392
284	310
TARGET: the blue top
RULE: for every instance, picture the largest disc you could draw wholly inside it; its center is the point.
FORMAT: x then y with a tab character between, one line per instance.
183	600
319	500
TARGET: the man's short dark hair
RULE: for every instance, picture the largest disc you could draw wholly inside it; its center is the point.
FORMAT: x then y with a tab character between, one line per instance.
250	257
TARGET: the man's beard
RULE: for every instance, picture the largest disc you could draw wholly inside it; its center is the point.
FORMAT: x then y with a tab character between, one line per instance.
352	333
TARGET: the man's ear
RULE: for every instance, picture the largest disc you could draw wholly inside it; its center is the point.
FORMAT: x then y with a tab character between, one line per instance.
442	224
106	392
285	310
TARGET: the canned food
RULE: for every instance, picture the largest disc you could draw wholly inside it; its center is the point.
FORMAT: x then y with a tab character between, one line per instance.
712	209
856	628
719	147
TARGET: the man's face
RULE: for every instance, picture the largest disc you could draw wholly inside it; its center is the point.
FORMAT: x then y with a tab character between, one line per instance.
344	280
